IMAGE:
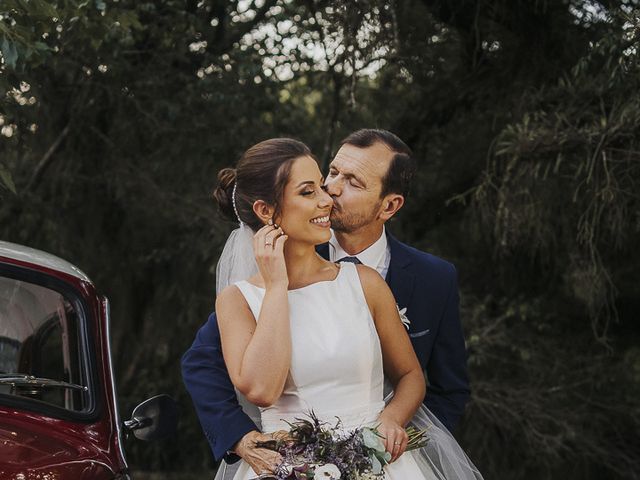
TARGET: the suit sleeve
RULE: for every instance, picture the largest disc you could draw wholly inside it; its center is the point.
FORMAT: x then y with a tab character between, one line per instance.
206	378
448	382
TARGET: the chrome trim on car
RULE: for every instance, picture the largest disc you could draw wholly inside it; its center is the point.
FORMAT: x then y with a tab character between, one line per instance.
114	398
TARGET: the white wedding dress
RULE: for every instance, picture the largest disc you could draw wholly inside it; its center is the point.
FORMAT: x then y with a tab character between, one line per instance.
336	372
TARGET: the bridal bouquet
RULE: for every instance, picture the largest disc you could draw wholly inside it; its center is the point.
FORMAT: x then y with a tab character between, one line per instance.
314	450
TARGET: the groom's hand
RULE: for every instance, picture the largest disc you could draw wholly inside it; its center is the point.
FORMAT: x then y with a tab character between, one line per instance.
262	460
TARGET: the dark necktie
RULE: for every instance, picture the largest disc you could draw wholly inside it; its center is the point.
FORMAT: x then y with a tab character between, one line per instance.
350	260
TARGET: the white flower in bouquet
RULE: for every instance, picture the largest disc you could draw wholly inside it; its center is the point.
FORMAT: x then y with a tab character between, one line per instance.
327	471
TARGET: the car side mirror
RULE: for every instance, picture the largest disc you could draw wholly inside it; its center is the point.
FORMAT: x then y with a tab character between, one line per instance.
154	418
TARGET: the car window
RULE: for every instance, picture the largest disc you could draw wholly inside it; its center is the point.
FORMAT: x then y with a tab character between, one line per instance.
40	346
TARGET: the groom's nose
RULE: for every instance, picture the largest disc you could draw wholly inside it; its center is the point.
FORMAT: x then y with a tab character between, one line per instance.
333	187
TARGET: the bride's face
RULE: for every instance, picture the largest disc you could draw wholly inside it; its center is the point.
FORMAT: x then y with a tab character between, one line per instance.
305	209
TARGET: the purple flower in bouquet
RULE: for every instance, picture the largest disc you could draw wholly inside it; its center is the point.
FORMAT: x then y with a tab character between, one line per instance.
314	450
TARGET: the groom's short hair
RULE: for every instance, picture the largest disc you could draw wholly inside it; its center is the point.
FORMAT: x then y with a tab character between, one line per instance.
402	166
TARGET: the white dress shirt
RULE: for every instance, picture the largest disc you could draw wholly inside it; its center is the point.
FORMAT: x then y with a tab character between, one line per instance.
377	255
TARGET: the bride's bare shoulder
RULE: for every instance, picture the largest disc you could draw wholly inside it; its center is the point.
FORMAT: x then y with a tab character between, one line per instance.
376	291
370	278
230	300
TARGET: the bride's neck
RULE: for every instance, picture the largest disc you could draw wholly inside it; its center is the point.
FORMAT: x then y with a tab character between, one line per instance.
302	261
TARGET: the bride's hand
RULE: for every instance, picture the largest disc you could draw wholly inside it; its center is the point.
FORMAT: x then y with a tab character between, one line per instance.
395	437
268	246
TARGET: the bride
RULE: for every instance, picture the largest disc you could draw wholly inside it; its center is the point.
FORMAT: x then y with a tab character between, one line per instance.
300	333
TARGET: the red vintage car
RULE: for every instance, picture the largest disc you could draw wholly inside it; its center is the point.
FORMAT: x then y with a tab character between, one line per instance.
59	414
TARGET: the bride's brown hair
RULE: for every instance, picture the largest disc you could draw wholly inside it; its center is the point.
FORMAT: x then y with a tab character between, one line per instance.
261	174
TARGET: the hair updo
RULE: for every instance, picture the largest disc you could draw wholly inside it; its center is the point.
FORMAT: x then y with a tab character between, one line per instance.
261	174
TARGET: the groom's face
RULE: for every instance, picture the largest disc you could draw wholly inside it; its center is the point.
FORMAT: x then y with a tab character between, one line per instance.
354	182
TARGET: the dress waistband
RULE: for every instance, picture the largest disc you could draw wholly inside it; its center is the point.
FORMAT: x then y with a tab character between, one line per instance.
350	419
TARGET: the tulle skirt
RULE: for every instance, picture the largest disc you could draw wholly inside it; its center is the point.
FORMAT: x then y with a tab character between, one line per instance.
441	459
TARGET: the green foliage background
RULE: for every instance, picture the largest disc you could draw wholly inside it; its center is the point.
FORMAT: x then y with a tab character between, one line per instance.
116	115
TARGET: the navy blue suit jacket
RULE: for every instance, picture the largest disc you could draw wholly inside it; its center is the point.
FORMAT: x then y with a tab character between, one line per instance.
425	284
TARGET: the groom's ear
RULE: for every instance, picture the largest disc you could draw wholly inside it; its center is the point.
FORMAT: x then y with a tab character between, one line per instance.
390	205
263	210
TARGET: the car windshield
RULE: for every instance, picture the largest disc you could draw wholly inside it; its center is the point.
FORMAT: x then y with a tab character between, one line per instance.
40	346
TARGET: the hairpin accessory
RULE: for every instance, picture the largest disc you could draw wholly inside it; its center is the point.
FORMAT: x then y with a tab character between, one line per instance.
233	201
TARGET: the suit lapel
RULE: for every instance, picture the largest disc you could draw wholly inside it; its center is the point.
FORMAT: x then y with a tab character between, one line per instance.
400	278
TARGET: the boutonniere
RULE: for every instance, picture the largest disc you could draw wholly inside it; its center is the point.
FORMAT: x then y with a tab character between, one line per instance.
403	316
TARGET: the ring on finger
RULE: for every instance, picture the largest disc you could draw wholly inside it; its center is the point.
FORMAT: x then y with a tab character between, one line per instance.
269	239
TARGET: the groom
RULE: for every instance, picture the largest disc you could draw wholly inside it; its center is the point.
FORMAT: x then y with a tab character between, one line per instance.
368	180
